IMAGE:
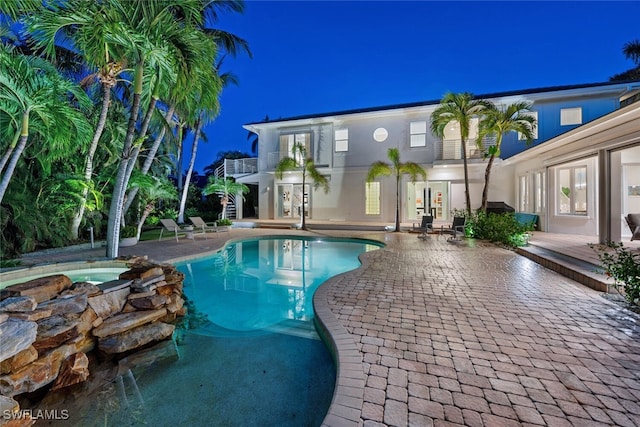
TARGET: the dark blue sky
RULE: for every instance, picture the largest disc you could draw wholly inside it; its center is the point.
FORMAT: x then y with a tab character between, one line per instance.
321	56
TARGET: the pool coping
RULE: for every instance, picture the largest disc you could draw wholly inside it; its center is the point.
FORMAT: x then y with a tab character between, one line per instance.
348	396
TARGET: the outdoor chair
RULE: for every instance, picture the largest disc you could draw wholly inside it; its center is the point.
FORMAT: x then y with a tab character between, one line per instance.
457	227
202	226
171	226
425	226
633	221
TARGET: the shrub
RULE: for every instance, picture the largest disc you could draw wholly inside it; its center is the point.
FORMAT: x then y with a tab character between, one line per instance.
129	231
500	228
223	222
623	265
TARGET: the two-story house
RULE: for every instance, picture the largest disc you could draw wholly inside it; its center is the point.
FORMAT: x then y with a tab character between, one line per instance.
344	144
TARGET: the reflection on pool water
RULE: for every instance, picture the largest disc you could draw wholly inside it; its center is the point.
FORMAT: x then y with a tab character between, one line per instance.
256	284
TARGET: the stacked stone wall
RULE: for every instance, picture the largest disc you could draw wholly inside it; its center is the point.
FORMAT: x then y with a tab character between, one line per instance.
48	325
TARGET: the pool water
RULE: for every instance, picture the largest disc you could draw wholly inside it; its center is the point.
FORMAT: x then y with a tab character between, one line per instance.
253	359
258	285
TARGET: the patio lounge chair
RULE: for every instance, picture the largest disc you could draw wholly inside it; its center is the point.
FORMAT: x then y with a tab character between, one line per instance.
425	226
171	226
633	221
457	227
201	225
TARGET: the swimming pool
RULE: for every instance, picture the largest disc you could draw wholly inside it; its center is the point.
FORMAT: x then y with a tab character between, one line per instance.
254	359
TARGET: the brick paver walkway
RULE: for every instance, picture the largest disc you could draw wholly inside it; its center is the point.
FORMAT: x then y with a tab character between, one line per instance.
470	334
439	333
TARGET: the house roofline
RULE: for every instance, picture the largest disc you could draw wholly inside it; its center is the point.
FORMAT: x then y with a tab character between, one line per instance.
437	101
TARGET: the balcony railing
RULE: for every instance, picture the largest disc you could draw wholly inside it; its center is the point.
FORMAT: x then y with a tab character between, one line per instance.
235	167
451	149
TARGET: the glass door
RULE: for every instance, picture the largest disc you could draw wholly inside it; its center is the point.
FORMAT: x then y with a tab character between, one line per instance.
438	197
290	199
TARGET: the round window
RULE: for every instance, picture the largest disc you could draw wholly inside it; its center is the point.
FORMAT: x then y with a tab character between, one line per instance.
380	134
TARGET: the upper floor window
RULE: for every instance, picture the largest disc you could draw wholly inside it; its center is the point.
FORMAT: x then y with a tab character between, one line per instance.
533	114
341	137
570	116
572	191
288	141
418	131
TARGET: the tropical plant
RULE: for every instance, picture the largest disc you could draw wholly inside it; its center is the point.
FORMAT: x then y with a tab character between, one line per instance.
151	190
37	101
224	187
623	264
397	169
503	228
631	50
499	120
300	162
458	108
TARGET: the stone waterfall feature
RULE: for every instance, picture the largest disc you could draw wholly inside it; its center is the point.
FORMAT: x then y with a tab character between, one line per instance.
48	325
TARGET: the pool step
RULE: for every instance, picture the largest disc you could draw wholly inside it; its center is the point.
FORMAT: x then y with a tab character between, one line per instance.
298	328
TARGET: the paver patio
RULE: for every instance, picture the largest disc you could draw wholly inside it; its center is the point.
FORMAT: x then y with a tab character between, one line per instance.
431	332
471	334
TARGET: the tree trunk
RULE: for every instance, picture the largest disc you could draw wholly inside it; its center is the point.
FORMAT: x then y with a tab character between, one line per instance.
397	201
11	166
145	213
88	170
179	159
466	177
151	154
485	191
120	185
192	161
7	153
6	177
303	222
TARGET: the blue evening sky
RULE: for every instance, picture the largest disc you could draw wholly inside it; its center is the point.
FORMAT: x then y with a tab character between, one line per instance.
323	56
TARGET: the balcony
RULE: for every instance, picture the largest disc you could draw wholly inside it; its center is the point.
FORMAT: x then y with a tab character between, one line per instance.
237	167
451	149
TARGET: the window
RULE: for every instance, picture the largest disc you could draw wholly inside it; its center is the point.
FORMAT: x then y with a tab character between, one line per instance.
570	116
533	114
418	131
288	141
572	191
523	194
538	192
341	137
372	198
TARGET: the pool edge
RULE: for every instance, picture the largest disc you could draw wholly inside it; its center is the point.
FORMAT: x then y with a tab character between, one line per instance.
348	395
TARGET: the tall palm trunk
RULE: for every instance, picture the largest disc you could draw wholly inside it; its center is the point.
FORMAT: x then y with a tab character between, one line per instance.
397	200
7	154
485	191
88	170
11	166
151	154
467	195
115	210
303	220
192	161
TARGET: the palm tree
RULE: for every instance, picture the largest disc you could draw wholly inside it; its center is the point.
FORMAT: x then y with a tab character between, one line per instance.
459	108
631	50
152	189
397	169
225	187
37	100
497	121
306	166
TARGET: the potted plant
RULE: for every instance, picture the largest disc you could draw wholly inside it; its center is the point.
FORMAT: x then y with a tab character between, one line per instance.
128	236
224	224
